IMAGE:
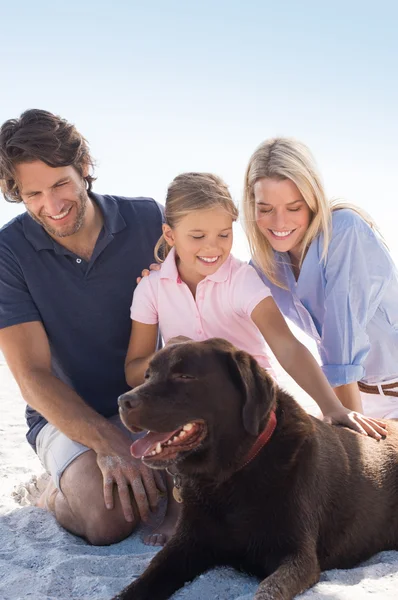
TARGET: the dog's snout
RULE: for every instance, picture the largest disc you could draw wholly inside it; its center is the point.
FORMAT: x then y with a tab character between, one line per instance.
128	401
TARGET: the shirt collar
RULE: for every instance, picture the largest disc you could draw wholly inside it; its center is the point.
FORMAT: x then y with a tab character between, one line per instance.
169	269
285	268
223	273
40	240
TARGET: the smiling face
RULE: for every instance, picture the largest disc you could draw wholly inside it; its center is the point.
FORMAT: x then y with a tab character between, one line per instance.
181	405
203	242
281	214
55	197
174	405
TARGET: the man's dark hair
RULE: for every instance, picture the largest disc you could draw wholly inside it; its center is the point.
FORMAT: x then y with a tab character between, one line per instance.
40	135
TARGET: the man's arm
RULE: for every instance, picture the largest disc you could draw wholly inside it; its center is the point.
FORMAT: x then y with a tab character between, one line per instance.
27	352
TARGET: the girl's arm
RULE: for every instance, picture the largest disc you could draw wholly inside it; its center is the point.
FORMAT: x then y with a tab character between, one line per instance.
298	361
142	347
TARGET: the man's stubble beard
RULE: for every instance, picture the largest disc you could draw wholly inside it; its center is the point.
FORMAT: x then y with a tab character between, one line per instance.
75	227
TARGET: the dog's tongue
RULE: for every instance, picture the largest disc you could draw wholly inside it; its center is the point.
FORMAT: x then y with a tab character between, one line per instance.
150	440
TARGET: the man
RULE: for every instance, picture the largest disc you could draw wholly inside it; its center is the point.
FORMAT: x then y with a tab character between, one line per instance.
68	267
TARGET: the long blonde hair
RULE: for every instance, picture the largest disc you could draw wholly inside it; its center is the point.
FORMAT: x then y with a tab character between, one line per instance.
280	159
190	192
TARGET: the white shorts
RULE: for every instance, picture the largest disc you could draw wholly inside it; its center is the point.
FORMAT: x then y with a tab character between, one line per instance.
56	451
380	405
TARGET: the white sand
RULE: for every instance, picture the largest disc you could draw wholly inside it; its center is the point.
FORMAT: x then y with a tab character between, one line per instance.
40	561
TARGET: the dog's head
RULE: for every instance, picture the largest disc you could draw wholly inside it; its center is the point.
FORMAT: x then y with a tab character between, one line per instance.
203	403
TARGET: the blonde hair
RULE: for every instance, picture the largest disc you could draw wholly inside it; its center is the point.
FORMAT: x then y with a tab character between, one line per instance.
190	192
281	159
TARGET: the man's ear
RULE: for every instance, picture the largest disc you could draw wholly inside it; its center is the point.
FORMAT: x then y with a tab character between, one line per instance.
258	390
168	234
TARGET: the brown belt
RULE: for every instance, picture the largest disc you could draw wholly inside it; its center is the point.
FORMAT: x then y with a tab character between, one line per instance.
389	389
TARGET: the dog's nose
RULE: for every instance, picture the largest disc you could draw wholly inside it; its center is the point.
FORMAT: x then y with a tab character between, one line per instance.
127	401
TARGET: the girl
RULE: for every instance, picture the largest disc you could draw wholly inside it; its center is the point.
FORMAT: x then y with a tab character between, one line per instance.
329	272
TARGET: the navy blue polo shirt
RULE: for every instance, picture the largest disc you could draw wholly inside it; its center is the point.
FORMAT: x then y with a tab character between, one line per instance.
84	306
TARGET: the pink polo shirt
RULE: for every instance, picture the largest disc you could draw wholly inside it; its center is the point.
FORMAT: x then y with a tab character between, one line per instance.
222	308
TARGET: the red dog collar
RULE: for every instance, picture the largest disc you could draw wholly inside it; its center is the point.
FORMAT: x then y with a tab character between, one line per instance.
262	439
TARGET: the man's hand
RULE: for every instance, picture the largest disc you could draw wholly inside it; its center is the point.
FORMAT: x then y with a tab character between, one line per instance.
126	472
145	272
358	422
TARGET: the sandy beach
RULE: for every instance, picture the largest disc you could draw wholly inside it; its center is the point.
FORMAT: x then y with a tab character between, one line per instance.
41	561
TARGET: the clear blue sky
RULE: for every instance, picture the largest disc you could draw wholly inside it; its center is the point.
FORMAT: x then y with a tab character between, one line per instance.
162	87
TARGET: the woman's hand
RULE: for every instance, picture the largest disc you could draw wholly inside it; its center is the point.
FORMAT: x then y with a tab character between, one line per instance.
145	272
358	422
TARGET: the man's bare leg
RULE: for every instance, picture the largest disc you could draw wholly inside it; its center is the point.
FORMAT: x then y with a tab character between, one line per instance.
163	533
80	508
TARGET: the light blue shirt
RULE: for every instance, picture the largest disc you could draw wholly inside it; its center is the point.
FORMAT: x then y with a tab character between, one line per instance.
348	303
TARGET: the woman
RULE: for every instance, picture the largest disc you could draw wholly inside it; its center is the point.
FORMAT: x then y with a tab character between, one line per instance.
329	272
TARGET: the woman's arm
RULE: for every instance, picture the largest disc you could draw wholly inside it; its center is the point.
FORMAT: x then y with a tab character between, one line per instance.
298	361
356	275
349	396
142	347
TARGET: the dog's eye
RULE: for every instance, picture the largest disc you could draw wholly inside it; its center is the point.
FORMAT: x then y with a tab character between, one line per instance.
183	376
147	375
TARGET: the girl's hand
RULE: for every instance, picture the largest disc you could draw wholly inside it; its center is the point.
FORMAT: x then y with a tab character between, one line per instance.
145	272
354	420
179	339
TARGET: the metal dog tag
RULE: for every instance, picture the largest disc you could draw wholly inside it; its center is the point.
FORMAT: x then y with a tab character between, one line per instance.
177	495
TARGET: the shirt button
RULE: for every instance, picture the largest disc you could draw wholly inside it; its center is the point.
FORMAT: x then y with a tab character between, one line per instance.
79	260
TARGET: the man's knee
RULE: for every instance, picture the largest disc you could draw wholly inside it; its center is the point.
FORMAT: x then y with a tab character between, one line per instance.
105	527
92	521
81	505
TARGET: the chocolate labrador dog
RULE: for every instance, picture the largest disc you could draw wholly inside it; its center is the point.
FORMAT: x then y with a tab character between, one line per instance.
265	487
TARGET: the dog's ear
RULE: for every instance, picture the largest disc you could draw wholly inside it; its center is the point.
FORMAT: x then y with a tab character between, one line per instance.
258	389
